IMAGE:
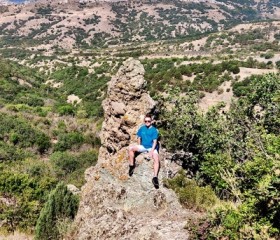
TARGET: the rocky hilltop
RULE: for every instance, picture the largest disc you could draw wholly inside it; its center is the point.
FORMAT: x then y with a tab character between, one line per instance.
114	206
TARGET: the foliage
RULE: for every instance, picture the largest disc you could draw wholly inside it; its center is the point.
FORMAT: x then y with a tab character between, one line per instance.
190	195
24	196
235	152
20	133
278	64
181	118
10	152
68	141
206	76
76	80
267	55
30	164
69	167
61	204
66	109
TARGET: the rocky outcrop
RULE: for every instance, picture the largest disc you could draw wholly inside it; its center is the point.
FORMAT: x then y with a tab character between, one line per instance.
113	205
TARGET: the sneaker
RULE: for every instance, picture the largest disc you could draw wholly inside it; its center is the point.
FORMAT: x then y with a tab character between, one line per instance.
155	182
131	170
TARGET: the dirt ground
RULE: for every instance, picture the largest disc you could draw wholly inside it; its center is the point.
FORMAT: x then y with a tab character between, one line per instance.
17	236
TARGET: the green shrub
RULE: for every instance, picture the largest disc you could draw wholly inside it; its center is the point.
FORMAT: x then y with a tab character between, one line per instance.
64	163
267	55
11	153
190	195
180	125
31	100
22	134
278	64
66	110
61	204
26	195
69	141
208	76
233	222
213	168
93	140
70	167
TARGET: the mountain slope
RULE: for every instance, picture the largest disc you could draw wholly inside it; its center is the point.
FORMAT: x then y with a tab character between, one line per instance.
69	24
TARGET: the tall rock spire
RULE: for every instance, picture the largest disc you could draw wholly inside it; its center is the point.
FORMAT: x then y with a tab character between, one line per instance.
114	206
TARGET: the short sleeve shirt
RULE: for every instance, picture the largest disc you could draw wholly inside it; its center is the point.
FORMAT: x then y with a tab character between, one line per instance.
147	135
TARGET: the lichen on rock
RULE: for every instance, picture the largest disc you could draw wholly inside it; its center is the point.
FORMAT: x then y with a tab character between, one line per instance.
113	205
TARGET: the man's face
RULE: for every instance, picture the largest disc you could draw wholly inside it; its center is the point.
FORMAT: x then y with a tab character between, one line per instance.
148	121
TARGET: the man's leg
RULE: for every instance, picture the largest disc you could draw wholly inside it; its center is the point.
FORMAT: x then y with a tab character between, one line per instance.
156	169
131	152
156	164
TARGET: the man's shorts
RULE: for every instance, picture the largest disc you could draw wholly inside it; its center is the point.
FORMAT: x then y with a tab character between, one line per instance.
142	149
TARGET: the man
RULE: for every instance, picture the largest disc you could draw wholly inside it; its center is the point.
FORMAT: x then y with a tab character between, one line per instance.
147	142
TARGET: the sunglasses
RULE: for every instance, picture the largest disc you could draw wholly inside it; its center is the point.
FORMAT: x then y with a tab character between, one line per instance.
148	121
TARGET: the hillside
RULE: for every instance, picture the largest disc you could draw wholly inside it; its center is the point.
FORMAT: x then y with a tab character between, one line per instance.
218	61
84	24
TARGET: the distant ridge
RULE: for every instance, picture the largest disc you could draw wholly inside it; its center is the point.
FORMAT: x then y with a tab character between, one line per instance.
8	2
68	24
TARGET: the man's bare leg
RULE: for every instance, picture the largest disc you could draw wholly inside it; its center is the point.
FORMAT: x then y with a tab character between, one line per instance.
131	153
156	164
156	170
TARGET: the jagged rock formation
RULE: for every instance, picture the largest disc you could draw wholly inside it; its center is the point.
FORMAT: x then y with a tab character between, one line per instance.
114	206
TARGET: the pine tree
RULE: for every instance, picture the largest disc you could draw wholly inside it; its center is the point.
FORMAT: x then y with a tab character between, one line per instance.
61	204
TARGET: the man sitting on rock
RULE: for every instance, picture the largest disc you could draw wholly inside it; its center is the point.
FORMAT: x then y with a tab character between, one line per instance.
147	142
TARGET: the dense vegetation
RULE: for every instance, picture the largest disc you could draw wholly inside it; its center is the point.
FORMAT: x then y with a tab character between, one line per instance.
201	76
236	153
44	141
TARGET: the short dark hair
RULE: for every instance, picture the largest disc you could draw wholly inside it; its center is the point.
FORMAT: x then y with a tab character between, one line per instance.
148	115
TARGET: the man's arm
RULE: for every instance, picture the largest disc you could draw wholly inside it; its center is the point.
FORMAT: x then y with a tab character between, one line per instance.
139	141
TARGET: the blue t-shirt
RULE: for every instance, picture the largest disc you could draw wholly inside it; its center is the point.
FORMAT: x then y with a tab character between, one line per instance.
147	135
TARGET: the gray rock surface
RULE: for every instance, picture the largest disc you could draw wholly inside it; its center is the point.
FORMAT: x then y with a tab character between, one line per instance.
113	205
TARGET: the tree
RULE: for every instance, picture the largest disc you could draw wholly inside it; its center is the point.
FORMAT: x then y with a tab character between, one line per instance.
236	153
61	204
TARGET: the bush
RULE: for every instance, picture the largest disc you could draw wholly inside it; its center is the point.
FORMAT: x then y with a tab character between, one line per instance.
267	55
180	125
64	163
11	153
278	64
31	100
190	195
66	110
26	195
22	134
70	168
69	141
61	204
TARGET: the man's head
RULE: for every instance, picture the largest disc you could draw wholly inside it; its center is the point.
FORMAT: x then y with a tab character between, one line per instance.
148	120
